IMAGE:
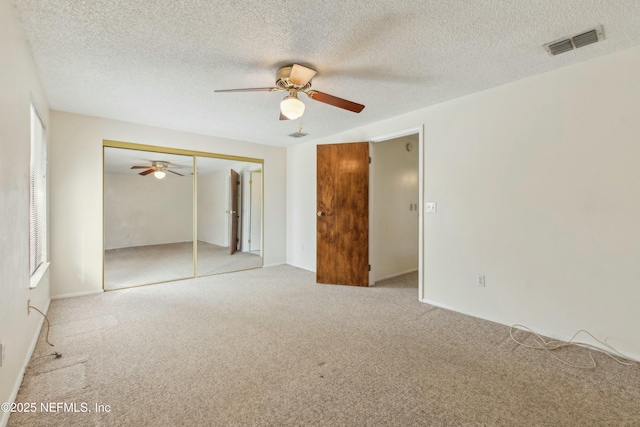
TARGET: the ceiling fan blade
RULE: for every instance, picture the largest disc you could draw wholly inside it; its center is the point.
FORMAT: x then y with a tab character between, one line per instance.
251	89
169	170
335	101
141	167
283	117
301	75
147	172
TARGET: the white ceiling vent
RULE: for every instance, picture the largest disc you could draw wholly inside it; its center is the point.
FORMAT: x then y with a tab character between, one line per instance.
564	45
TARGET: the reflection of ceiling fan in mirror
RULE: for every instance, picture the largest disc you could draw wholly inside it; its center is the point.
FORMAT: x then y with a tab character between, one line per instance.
297	78
158	168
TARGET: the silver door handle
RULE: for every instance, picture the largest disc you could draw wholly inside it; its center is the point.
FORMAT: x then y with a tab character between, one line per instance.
320	213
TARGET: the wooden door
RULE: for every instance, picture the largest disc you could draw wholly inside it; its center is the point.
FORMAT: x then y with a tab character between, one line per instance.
234	184
342	232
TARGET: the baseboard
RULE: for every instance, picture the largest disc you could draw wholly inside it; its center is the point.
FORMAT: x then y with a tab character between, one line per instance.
544	333
391	276
274	264
76	294
4	420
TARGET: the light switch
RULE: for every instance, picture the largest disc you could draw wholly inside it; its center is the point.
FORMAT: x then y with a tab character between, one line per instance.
431	207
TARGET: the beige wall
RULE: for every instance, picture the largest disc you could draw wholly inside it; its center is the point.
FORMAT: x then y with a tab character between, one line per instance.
19	84
76	196
141	211
537	188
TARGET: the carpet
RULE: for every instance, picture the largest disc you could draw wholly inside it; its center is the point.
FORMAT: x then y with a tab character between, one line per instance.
140	265
270	347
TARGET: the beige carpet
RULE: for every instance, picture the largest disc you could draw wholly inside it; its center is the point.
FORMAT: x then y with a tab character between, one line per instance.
269	347
139	265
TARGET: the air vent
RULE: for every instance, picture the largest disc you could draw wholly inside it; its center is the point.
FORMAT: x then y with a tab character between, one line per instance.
560	47
565	45
298	135
585	38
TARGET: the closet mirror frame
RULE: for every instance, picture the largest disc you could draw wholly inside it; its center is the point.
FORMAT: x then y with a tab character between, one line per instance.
194	155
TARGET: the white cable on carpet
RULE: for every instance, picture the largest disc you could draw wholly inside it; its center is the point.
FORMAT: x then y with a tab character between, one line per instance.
48	325
551	345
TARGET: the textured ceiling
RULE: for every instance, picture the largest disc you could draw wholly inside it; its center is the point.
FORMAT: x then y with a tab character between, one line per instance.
158	62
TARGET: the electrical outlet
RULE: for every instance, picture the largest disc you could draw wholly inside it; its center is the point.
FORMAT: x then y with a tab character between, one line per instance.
480	280
1	354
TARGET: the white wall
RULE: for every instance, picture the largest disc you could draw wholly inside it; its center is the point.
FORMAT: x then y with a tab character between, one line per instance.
76	196
19	83
143	210
537	188
394	179
254	209
212	208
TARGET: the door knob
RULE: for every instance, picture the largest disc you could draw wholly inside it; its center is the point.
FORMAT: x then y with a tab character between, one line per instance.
320	213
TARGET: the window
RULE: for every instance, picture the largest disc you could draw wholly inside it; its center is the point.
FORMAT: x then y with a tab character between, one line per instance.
38	200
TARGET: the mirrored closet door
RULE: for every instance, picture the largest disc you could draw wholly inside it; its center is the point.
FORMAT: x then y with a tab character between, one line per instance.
225	214
176	215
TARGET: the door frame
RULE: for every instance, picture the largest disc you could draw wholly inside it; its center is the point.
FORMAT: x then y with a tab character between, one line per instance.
421	189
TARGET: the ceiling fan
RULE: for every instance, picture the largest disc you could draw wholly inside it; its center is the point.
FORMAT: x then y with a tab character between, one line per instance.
297	78
158	168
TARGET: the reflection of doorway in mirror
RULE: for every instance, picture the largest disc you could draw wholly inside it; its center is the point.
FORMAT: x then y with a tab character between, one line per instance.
255	212
234	209
215	207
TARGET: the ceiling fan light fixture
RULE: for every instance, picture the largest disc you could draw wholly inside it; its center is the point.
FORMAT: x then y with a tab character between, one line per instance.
159	174
292	107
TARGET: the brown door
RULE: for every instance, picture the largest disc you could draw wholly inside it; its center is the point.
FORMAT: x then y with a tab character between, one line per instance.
234	183
342	232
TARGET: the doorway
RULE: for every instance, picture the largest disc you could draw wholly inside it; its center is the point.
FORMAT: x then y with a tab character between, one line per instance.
351	182
395	214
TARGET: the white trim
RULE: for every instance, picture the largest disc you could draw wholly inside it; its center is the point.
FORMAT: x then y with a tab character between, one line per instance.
275	265
545	333
398	134
391	276
421	195
446	307
4	419
77	294
37	276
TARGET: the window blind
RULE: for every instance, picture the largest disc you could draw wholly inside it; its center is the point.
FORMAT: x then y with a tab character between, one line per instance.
38	196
